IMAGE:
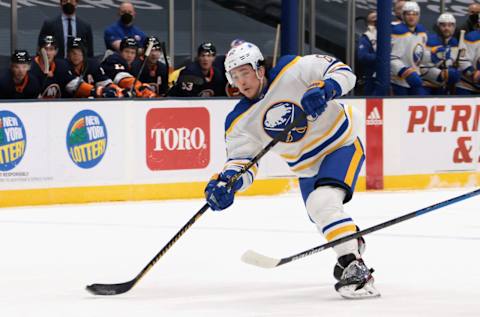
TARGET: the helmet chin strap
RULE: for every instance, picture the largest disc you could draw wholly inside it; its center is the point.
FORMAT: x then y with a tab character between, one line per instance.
262	83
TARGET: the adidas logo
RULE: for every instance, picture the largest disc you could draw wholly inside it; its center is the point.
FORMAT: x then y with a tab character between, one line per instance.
374	117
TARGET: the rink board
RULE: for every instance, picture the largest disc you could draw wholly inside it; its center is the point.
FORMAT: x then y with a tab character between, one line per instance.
93	150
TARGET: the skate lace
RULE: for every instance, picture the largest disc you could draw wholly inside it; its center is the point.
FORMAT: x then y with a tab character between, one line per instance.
356	270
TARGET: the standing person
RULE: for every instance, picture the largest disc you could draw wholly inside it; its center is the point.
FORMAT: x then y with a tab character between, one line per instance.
155	73
471	23
67	26
397	12
408	50
201	78
16	83
367	53
124	27
324	150
442	74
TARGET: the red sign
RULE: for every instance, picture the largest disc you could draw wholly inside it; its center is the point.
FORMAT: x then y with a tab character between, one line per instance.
374	150
178	138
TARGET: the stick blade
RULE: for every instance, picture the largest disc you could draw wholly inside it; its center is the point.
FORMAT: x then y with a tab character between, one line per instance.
109	289
254	258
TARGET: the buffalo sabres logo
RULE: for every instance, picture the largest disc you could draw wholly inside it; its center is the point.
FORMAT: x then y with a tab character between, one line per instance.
418	52
279	116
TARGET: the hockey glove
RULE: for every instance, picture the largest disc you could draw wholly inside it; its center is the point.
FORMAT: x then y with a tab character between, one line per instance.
110	91
449	75
414	80
145	91
314	100
218	196
439	54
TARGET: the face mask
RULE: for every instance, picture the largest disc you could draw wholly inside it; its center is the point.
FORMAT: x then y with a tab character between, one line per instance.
473	18
126	18
68	8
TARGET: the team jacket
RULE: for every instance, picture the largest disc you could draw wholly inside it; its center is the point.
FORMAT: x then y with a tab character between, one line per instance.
118	70
53	85
192	83
153	75
93	74
433	67
28	89
408	52
470	62
253	123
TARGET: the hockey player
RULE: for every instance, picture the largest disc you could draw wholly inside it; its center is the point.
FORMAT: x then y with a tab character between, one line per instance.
155	72
441	73
469	65
16	83
408	50
201	78
59	81
88	70
118	68
324	150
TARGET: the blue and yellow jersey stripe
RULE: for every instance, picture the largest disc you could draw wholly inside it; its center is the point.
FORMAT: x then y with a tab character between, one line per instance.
339	228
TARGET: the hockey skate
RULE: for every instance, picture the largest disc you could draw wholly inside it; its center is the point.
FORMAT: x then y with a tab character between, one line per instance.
355	280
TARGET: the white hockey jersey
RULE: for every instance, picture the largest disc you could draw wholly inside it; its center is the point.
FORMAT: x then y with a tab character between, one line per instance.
253	123
408	52
470	62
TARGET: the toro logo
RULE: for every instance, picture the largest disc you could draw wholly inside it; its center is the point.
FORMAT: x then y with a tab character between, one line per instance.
178	138
86	139
13	140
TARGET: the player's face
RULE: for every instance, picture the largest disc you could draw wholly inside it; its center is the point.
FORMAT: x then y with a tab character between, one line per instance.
206	60
447	29
398	8
75	56
19	71
51	52
411	18
129	54
154	56
246	80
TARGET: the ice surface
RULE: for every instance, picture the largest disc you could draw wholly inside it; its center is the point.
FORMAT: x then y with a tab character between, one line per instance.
427	266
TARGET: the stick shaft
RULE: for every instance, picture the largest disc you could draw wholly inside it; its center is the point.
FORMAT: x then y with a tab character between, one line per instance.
379	226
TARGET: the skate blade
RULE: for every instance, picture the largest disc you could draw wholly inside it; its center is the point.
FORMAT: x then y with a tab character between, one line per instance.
350	292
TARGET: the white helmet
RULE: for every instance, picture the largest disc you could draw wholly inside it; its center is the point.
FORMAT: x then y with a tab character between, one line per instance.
446	18
410	6
245	53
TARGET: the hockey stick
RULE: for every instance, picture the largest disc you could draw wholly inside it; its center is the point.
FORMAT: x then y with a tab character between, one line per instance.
114	289
167	71
46	69
257	259
145	57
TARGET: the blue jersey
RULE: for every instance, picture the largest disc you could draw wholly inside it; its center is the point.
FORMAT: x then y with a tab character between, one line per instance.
58	83
29	88
118	31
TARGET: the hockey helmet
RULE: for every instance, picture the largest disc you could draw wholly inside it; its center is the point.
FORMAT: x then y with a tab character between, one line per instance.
76	42
128	42
411	6
207	47
48	40
155	41
20	57
245	53
446	18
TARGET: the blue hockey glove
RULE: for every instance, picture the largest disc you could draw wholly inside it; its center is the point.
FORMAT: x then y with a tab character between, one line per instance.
450	75
439	54
314	100
414	80
218	196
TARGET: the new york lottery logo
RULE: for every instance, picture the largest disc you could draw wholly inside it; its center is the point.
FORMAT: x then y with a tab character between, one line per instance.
13	140
86	139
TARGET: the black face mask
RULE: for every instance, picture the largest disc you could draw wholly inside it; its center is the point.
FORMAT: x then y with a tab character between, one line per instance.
126	18
473	18
68	8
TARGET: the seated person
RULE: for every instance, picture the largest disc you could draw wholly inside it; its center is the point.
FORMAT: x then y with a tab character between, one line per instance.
201	78
16	83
